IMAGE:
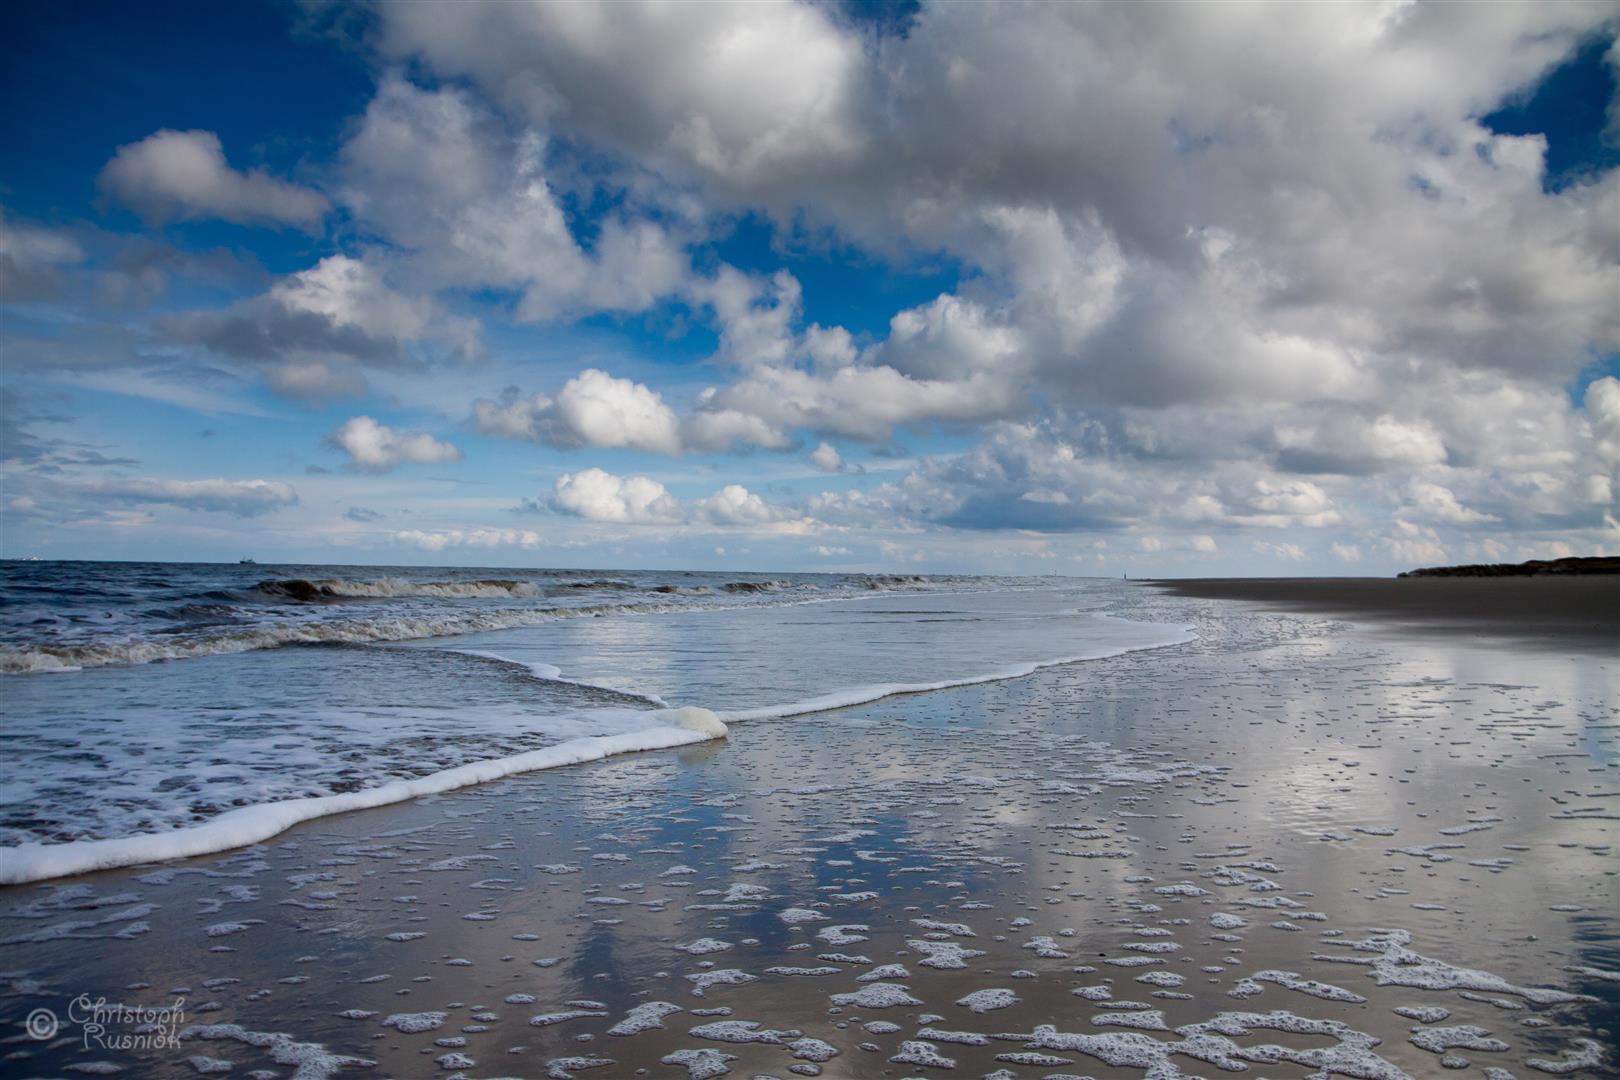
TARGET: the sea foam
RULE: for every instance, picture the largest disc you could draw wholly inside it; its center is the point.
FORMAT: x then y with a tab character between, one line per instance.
254	824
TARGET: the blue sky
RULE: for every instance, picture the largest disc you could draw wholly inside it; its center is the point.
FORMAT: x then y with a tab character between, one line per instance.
1169	290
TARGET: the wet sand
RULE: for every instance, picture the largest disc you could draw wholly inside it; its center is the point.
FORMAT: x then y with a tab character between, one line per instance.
1553	612
1289	847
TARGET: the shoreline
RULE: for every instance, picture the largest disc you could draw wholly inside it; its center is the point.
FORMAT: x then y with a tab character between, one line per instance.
1549	612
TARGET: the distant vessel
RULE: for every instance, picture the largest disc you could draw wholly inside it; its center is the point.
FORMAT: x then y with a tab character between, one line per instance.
247	562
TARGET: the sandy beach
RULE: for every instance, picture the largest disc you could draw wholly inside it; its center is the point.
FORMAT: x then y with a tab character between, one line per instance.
1556	612
1290	846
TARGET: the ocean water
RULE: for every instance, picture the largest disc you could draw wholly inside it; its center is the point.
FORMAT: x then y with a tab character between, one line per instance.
158	710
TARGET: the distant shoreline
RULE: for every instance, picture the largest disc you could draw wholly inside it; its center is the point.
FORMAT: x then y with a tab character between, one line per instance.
1552	610
1582	566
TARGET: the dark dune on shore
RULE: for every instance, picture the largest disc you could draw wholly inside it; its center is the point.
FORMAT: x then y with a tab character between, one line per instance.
1561	612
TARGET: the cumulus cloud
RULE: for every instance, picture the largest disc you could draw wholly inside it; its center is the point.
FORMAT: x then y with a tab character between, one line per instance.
1438	503
600	496
1351	444
184	174
244	498
373	447
1399	295
826	458
444	178
596	495
592	409
315	331
441	539
776	89
734	505
1415	545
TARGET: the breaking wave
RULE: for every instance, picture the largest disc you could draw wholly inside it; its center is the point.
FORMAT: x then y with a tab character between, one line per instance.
336	588
20	659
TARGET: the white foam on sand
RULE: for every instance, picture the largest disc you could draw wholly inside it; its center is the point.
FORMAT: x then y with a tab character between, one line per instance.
254	824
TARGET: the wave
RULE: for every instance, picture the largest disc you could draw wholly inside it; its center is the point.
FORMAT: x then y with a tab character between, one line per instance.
671	728
759	586
337	588
553	673
887	581
255	824
15	659
865	695
220	637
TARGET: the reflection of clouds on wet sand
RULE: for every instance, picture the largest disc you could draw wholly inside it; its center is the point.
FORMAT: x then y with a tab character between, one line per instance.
1274	848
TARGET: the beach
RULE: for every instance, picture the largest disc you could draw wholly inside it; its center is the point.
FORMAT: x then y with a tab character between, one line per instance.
1550	611
1289	844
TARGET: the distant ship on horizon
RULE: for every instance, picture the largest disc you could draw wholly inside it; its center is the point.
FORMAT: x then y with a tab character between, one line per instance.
247	562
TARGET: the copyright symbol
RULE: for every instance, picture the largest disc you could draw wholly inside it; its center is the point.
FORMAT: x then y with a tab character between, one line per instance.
42	1024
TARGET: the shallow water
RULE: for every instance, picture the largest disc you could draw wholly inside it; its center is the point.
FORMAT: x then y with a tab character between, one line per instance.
135	703
1246	850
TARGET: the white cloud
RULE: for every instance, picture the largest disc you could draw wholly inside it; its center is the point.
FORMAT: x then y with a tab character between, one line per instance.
183	174
1348	443
826	458
1415	545
1203	543
1350	553
315	331
734	505
710	428
740	93
375	448
596	409
440	539
1284	551
350	293
596	495
592	409
443	177
244	498
1438	503
1602	403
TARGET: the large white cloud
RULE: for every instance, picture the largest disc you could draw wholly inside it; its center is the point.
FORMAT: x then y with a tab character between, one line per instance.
592	409
374	447
467	201
596	495
599	496
743	92
184	174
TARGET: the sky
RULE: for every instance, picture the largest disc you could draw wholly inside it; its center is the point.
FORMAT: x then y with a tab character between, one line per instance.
1147	289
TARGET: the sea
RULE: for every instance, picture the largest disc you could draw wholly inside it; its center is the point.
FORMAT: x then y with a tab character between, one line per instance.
154	710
